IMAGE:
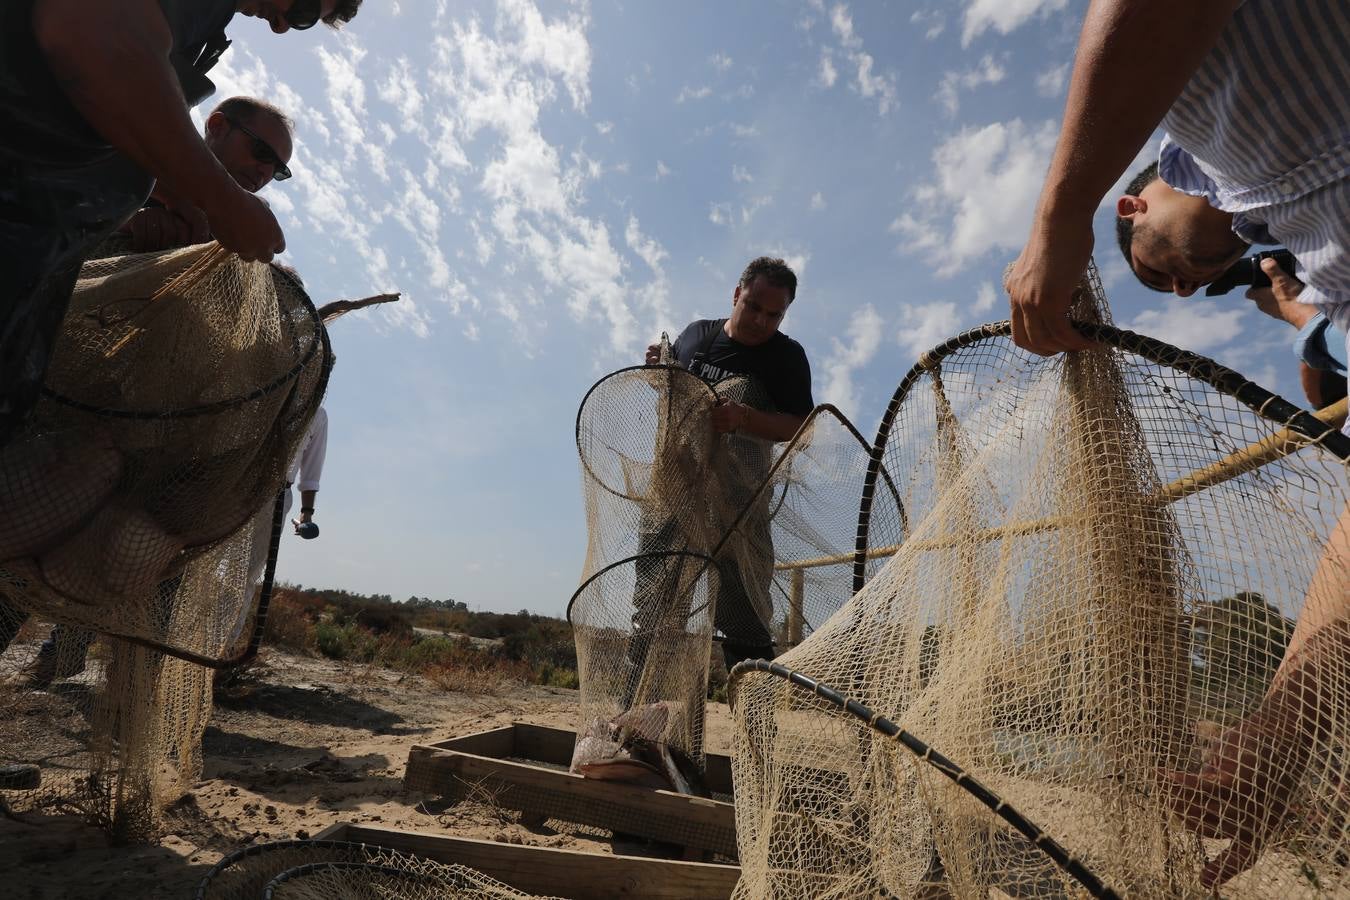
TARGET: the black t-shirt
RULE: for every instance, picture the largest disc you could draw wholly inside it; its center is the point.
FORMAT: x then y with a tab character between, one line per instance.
779	363
37	120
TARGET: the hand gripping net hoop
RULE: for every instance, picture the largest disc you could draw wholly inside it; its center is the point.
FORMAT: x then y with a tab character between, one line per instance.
1106	555
691	532
140	503
340	870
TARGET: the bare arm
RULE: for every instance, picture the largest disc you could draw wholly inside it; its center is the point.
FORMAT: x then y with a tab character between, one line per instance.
112	60
738	417
140	111
1133	59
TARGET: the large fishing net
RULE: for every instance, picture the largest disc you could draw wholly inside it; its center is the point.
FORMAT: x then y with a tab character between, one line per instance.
340	870
139	504
1068	676
692	533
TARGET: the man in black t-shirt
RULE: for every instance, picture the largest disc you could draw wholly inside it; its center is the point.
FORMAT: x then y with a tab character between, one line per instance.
748	343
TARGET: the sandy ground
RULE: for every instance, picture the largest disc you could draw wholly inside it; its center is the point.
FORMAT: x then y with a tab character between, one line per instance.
304	744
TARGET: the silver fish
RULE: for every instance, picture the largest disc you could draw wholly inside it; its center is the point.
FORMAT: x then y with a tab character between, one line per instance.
629	749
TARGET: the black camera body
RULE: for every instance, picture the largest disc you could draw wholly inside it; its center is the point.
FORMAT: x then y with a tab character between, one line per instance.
1248	271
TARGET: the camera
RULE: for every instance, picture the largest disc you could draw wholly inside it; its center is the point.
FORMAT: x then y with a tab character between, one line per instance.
1248	271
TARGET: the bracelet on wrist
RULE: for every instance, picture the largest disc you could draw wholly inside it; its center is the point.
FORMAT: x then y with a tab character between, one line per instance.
307	509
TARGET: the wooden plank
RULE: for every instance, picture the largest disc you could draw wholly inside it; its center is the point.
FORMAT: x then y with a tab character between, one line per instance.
550	872
549	793
542	743
495	742
717	775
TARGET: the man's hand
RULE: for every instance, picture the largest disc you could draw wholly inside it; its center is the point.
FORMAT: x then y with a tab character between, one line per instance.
1041	285
653	355
729	416
158	229
1242	791
1280	300
243	223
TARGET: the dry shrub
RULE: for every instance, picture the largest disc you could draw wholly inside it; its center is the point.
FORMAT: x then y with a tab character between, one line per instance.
486	678
290	622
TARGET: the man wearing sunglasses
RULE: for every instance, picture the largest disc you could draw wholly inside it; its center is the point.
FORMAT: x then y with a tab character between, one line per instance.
94	98
252	139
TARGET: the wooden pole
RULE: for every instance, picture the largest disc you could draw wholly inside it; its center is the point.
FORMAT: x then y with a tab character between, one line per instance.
1282	443
795	601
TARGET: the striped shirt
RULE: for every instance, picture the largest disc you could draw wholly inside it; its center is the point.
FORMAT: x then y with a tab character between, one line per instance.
1262	130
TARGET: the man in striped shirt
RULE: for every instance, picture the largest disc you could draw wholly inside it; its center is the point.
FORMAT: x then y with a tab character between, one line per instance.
1176	242
1257	95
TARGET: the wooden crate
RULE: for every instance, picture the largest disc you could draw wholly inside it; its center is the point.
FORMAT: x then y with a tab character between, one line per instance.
510	766
556	873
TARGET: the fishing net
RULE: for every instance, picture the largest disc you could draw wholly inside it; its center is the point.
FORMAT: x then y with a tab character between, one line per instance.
691	532
1044	690
140	504
339	870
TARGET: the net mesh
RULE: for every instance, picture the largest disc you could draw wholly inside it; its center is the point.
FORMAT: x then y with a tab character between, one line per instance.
691	532
293	870
138	504
1099	579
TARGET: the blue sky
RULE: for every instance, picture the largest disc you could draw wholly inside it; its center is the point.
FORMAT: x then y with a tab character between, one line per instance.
552	184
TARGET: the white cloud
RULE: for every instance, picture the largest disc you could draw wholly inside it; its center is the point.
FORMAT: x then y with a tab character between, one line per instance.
925	325
654	297
985	297
828	74
662	170
1199	325
933	22
720	214
866	82
817	201
490	89
559	47
754	205
688	93
741	175
863	339
983	194
796	259
720	61
346	95
988	71
1003	15
604	127
399	89
1050	83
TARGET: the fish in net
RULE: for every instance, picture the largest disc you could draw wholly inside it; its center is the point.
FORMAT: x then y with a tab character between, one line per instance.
295	870
131	507
690	533
1105	558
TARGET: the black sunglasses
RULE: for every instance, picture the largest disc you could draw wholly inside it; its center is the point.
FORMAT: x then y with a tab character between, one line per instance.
263	152
304	14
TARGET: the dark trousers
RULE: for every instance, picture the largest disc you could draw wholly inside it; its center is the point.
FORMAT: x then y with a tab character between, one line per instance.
662	596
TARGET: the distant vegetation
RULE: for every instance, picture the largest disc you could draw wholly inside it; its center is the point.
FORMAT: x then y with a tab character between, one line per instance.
458	649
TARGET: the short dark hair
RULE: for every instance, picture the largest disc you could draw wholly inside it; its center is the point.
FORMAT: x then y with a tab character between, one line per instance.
1125	227
774	271
247	110
344	12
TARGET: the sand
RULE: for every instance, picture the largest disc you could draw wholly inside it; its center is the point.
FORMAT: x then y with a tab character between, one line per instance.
301	745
